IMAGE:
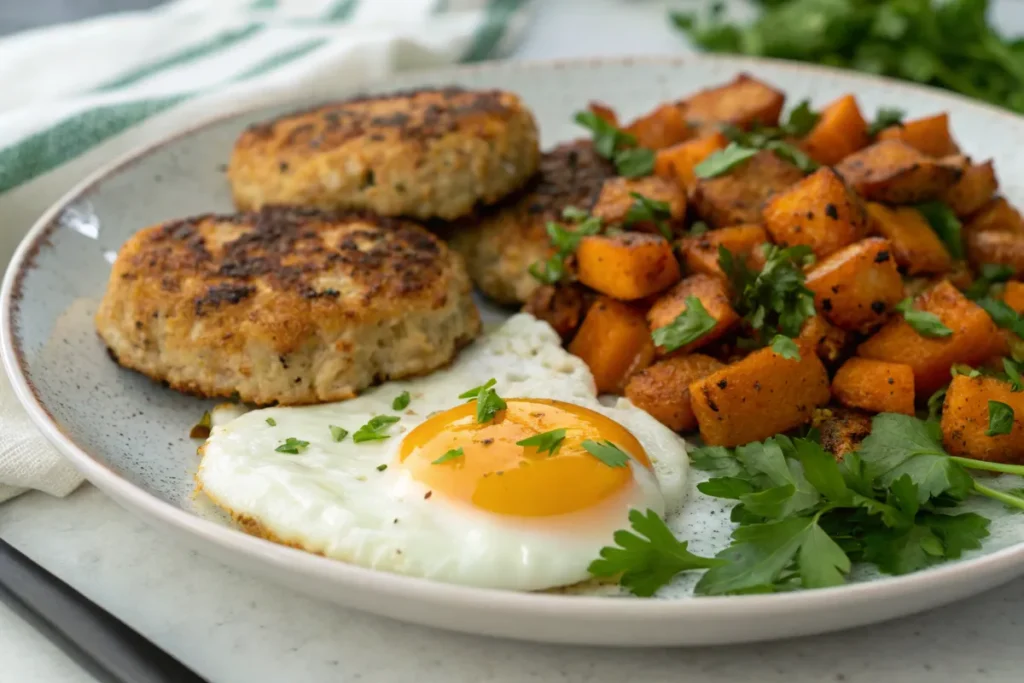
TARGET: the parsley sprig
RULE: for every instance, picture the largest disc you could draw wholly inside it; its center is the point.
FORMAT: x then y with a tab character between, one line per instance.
565	241
744	144
375	429
690	325
946	225
885	117
618	146
647	210
924	323
548	442
488	403
774	300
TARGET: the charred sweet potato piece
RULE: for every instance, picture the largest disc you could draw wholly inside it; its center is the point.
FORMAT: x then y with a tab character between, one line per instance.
661	128
819	211
758	397
738	196
840	132
915	245
700	252
856	287
616	199
997	216
628	266
663	389
965	420
842	430
743	102
614	342
714	296
894	172
975	338
875	386
1013	295
562	306
974	189
1003	248
678	161
929	135
827	340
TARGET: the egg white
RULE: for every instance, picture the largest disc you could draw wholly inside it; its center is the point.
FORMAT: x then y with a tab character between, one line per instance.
332	499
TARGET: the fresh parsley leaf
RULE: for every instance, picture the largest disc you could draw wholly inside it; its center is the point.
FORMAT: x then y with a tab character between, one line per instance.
606	452
1002	315
989	274
924	323
375	429
1000	419
548	272
565	242
946	225
574	214
448	456
699	228
822	562
607	138
475	391
885	118
785	347
902	550
292	446
1013	373
724	160
716	459
957	532
272	422
646	210
488	403
801	121
201	429
821	470
401	401
692	324
793	155
547	441
935	402
726	487
634	162
774	300
381	468
338	433
648	557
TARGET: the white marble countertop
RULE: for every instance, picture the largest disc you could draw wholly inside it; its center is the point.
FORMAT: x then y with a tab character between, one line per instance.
231	628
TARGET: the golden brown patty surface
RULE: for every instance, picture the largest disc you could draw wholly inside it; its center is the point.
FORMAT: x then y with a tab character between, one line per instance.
423	154
286	306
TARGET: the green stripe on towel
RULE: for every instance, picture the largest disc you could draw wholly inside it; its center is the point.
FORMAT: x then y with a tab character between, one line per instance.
341	11
490	33
281	58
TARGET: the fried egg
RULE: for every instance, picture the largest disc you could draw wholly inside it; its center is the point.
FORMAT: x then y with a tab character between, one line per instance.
441	495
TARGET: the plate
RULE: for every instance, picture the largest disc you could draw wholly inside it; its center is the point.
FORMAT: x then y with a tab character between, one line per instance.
128	435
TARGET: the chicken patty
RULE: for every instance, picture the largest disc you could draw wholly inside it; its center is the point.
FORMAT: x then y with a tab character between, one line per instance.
285	306
423	154
501	243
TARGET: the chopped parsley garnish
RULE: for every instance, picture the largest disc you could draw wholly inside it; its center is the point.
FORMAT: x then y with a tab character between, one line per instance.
635	162
785	347
774	300
1000	419
692	324
565	242
338	433
724	160
201	430
646	210
801	121
886	117
744	144
989	274
449	455
606	452
375	429
617	146
1003	315
946	225
699	228
292	446
547	441
381	468
488	403
272	422
1013	375
401	401
924	323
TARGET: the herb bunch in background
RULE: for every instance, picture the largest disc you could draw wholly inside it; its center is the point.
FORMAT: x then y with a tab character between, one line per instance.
944	43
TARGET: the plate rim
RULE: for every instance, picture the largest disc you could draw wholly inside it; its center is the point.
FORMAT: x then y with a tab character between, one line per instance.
426	591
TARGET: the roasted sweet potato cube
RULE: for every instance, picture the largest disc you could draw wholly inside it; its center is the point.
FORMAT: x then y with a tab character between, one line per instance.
628	266
738	196
616	199
975	338
997	216
1003	248
744	242
678	161
1013	295
827	340
974	189
614	342
842	429
856	287
714	296
819	211
929	135
562	306
840	132
758	397
604	112
661	128
663	389
875	386
965	420
894	172
743	102
915	245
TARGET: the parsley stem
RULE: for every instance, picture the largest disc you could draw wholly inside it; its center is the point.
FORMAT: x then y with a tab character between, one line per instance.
988	466
1007	498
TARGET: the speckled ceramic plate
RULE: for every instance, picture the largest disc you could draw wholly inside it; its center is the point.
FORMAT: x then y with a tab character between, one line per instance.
129	435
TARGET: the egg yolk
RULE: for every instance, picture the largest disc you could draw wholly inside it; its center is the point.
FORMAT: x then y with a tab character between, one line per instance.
495	474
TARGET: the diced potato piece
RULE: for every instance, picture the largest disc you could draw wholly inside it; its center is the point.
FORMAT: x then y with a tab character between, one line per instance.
714	296
562	306
974	339
894	172
827	340
603	111
842	430
661	128
819	211
929	135
738	196
965	420
758	397
974	189
700	252
1013	295
615	200
915	246
875	386
743	102
997	216
678	161
857	286
663	389
840	132
1003	248
627	266
614	342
